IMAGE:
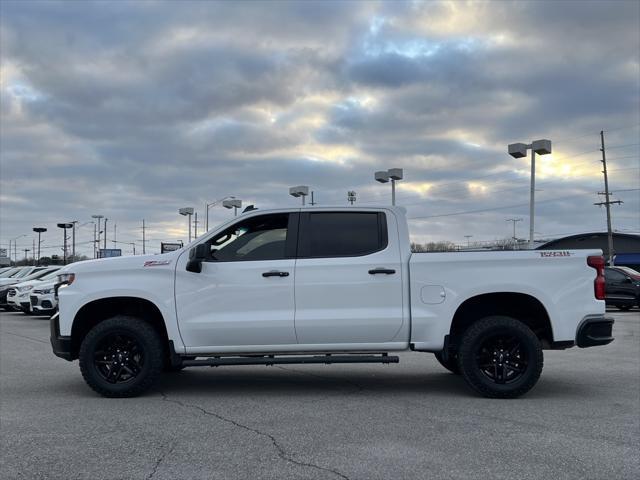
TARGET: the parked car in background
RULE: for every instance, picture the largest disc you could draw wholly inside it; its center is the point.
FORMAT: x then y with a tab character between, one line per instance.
6	284
622	288
10	272
4	269
18	295
43	299
627	271
20	273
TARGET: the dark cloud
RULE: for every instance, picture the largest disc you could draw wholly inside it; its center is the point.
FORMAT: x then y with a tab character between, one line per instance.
133	109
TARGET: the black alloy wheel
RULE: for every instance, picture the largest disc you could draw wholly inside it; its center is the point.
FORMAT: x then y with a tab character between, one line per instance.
118	357
121	356
500	357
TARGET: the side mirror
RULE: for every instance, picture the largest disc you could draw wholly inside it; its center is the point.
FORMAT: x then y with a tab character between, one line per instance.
196	256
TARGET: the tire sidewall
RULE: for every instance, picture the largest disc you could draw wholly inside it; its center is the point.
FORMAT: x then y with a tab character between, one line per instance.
149	344
470	347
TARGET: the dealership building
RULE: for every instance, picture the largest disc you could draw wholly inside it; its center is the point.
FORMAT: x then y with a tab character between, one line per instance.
626	247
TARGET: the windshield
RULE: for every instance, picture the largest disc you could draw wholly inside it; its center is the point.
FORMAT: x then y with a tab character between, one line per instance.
51	274
22	273
10	272
629	271
36	275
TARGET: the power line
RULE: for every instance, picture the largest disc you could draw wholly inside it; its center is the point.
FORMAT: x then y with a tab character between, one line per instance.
511	206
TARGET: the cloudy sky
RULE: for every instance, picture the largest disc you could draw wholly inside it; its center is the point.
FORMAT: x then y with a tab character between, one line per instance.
133	109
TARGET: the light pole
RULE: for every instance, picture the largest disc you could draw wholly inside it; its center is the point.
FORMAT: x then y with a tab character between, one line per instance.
235	204
519	150
39	231
207	206
15	247
64	227
299	191
468	242
187	212
96	238
393	174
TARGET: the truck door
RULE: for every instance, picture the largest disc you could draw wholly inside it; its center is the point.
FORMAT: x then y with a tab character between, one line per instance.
348	278
244	294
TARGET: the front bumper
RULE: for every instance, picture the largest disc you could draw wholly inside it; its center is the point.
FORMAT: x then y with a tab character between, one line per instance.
61	345
594	330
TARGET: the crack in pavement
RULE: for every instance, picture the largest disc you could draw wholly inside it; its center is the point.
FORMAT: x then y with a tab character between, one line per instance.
159	460
23	336
359	388
280	451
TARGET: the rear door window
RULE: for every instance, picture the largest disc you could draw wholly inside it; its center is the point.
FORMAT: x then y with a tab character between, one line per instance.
342	234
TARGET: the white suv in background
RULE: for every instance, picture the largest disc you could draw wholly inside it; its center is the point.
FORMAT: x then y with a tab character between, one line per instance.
42	298
18	294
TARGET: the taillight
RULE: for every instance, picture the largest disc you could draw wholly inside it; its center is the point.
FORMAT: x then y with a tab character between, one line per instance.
597	262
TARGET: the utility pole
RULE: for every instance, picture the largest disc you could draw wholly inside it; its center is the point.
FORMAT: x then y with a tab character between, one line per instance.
94	239
33	257
607	202
144	241
105	233
114	236
514	220
195	226
73	241
312	200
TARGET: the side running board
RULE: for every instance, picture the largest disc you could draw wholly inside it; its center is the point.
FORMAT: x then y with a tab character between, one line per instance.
280	360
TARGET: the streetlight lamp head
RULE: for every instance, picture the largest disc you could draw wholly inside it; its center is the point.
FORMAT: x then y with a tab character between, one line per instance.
39	229
232	203
382	176
541	147
299	191
65	225
186	211
518	150
395	173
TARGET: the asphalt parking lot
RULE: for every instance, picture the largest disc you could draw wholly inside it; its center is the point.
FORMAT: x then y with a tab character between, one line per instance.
411	420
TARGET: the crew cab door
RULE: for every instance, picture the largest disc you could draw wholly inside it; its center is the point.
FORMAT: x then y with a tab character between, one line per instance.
244	294
348	278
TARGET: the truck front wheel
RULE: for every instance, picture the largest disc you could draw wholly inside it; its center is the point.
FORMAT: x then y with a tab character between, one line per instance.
500	357
121	357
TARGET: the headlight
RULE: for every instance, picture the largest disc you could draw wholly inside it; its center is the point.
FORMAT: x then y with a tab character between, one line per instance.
66	278
24	289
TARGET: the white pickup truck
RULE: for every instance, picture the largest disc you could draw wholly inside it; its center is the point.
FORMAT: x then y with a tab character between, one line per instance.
326	285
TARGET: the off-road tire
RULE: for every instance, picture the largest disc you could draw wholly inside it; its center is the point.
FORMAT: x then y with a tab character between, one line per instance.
149	342
450	364
479	335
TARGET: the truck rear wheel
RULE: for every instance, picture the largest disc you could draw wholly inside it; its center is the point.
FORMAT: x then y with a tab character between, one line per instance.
121	357
450	364
500	357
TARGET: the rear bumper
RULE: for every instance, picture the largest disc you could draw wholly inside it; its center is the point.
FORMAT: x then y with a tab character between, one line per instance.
61	345
594	330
